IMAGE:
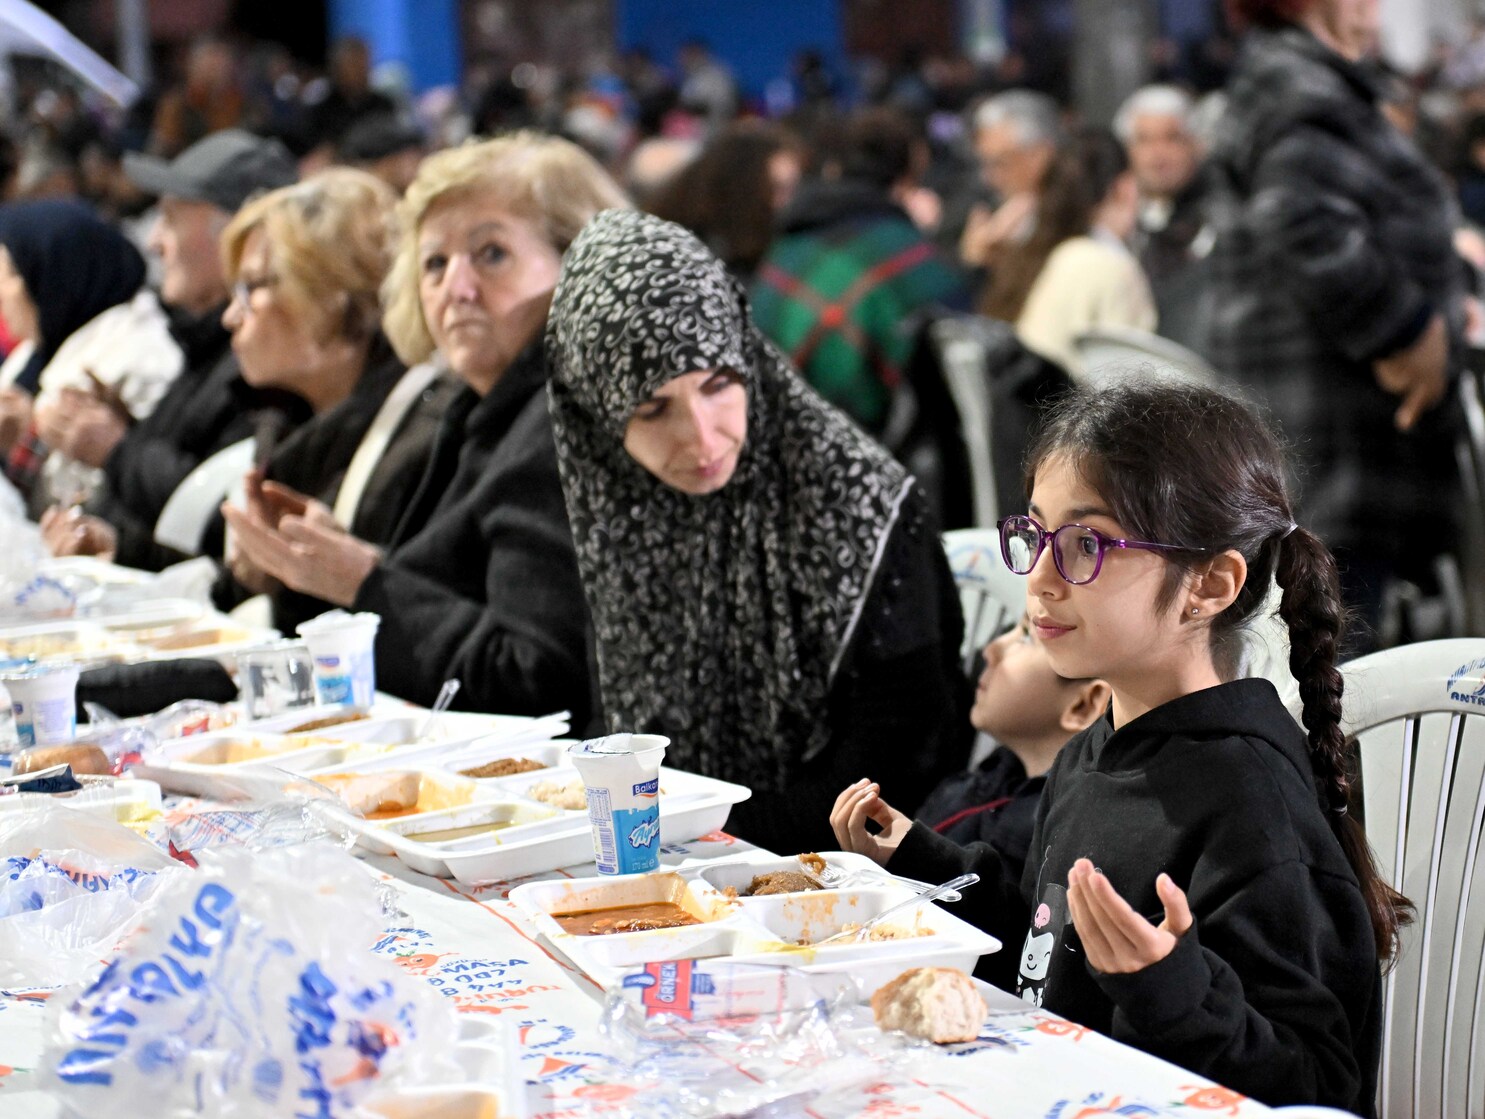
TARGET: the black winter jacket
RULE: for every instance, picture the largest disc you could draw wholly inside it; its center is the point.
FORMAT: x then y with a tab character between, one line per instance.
1275	991
899	705
206	409
481	580
1333	248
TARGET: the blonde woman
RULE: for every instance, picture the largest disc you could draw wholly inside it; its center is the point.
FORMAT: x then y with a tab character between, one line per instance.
306	264
479	581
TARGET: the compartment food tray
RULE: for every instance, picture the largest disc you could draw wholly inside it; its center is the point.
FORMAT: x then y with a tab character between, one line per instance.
752	930
690	806
169	630
126	800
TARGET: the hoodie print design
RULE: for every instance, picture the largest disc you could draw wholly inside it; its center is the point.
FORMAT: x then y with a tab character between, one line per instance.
1048	923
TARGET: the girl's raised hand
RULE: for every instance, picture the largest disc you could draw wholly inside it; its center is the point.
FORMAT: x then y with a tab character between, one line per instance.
857	804
1116	939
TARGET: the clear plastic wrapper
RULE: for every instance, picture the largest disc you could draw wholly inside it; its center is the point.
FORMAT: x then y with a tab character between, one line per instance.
711	1038
289	812
72	886
190	716
252	991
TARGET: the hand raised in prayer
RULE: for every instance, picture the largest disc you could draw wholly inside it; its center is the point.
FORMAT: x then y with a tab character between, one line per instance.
859	803
15	416
1419	374
1116	939
306	552
68	532
81	426
273	501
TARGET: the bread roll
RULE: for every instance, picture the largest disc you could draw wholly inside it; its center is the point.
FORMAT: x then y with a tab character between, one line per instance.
369	793
935	1003
80	756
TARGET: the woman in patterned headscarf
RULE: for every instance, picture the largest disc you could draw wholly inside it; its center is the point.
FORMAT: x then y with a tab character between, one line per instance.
766	584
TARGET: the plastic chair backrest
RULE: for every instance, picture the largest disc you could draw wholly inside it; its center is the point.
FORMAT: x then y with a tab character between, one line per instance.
1418	713
1107	351
992	596
963	357
190	508
1471	454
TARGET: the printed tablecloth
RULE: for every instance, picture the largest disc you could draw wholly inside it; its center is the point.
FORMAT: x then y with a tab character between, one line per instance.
481	952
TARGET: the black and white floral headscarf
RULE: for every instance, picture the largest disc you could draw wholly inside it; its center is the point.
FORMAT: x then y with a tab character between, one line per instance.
721	620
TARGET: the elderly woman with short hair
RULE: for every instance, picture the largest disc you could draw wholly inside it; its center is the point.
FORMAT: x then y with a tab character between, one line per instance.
480	580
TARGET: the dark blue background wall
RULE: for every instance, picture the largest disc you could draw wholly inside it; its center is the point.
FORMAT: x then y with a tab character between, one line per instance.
756	37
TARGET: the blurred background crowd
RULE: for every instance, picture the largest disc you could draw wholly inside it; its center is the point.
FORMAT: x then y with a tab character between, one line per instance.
880	175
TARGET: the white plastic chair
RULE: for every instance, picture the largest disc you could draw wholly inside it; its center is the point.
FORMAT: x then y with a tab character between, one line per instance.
962	356
190	508
1471	455
1418	713
1109	351
992	596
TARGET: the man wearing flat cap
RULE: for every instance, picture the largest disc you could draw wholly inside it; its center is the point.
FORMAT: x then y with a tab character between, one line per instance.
208	407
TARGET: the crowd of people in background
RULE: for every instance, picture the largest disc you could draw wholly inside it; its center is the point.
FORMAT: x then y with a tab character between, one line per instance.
624	393
852	208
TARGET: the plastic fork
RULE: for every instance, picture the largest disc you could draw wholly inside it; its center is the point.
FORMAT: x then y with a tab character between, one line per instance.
934	893
835	878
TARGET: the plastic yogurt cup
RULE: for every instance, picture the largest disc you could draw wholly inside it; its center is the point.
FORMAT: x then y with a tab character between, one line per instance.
343	647
44	703
622	777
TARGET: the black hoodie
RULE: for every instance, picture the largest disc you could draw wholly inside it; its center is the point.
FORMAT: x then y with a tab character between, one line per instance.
1275	991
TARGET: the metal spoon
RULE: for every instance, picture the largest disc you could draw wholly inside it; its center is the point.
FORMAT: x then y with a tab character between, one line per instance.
440	705
901	907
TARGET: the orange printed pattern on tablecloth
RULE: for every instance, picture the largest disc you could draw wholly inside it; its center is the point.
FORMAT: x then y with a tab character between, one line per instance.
1060	1027
1213	1098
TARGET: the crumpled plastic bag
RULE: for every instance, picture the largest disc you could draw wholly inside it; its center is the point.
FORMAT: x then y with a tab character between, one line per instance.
251	992
72	885
25	593
262	809
704	1039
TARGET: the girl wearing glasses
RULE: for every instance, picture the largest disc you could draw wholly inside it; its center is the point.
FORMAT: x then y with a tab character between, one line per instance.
1196	886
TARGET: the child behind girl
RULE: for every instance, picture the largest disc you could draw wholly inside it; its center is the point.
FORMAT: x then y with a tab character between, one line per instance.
1031	712
1195	887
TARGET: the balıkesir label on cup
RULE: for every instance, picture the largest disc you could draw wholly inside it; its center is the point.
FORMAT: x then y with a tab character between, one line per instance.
622	776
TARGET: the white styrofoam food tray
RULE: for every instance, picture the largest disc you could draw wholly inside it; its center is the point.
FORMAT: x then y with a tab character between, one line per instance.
122	799
764	930
551	838
380	731
168	630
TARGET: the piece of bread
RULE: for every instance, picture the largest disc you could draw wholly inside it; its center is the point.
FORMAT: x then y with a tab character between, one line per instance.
80	756
370	793
939	1004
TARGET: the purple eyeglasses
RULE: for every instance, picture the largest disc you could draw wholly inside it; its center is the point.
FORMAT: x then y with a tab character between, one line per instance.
1077	550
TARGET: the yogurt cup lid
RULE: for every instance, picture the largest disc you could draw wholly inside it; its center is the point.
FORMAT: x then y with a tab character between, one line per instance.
618	745
338	620
40	672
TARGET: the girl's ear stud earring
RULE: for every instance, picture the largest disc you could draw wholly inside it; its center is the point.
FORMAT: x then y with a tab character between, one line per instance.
1196	609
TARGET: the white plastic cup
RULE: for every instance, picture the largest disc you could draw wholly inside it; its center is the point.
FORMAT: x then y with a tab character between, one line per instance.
343	647
622	776
44	703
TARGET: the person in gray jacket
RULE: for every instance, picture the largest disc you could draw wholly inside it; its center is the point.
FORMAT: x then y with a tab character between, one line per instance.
1337	296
